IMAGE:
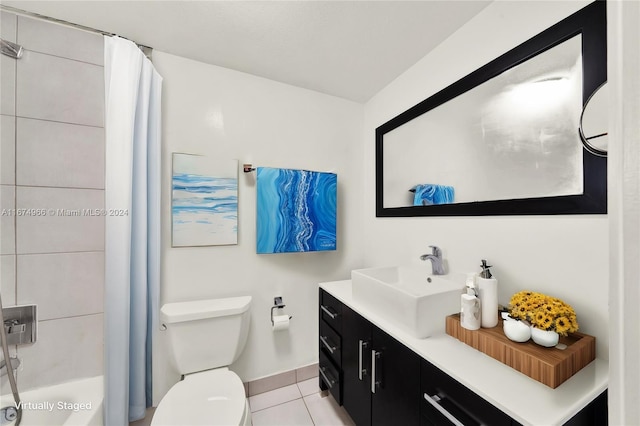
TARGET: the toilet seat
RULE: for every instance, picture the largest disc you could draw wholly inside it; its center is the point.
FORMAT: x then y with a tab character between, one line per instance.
212	397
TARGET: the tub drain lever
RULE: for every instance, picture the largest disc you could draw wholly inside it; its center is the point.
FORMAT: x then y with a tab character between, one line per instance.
8	415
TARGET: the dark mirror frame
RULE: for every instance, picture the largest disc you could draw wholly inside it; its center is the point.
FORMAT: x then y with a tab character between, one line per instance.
591	23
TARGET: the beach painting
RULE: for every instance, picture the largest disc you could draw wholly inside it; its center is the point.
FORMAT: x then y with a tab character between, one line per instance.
204	201
296	210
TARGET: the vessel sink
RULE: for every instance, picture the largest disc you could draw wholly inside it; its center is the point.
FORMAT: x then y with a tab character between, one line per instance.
409	296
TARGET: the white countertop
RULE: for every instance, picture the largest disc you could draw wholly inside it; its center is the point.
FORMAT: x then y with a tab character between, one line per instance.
524	399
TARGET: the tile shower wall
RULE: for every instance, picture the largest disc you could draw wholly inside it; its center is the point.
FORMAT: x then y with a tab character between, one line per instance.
52	161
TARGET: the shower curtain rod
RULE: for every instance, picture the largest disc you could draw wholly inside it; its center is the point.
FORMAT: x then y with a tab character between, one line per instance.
145	49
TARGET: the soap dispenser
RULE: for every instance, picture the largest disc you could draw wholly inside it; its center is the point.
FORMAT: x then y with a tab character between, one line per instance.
488	291
470	316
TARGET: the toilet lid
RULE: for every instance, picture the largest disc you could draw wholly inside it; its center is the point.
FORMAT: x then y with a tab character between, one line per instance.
214	397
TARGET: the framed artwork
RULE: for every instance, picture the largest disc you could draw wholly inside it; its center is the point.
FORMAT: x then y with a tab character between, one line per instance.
204	201
296	210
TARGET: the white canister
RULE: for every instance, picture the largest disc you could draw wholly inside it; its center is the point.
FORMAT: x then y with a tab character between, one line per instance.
488	290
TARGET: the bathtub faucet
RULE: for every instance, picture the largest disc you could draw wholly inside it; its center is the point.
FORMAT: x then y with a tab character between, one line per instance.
436	260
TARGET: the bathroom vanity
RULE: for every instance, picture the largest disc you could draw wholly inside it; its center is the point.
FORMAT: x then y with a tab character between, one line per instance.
383	375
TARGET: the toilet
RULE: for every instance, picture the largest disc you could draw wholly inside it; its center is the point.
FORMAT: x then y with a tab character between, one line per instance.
206	336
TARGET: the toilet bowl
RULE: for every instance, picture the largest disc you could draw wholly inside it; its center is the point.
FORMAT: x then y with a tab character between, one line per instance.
214	397
205	337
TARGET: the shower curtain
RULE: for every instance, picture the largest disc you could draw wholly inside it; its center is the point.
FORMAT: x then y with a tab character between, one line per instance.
132	228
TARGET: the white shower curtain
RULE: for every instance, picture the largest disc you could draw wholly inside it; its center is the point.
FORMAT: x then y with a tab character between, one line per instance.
132	228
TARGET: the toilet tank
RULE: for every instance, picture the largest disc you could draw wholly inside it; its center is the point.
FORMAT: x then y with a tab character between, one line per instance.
206	334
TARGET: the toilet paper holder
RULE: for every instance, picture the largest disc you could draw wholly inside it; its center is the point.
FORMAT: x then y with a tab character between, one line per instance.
277	304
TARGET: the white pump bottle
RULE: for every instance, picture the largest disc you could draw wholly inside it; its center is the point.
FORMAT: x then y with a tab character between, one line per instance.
470	309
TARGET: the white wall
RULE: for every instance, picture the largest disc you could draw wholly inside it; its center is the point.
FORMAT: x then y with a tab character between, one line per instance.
566	256
227	114
624	211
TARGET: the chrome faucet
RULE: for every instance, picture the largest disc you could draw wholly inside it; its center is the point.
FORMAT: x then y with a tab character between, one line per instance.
436	260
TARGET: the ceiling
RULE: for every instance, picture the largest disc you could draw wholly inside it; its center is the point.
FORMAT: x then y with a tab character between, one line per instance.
350	49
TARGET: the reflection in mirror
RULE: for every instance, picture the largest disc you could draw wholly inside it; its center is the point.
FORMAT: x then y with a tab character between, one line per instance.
514	136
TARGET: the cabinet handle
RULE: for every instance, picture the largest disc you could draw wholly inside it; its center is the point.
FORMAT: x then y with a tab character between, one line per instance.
433	400
374	356
361	371
326	310
324	340
328	381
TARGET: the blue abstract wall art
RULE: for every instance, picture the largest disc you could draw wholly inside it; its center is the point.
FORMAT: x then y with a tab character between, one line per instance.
204	201
296	210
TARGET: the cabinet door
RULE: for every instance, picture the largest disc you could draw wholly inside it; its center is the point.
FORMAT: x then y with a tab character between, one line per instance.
396	400
356	366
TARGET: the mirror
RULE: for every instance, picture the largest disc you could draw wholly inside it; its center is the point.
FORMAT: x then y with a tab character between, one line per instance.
504	139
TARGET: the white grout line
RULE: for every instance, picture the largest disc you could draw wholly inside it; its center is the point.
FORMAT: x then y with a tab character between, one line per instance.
280	403
307	408
295	399
277	405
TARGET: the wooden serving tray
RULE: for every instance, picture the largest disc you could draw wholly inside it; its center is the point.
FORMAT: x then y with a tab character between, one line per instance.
550	366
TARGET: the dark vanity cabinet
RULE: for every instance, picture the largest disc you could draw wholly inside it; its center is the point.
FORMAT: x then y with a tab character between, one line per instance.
379	381
445	402
380	384
373	375
330	336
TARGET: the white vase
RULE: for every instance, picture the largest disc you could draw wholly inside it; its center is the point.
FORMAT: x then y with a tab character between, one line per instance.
546	338
515	330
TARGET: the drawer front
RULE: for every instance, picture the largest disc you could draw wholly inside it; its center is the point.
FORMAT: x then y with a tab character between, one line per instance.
443	396
331	343
331	311
331	377
443	412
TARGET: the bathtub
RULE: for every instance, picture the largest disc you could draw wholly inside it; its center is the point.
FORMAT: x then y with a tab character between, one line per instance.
72	403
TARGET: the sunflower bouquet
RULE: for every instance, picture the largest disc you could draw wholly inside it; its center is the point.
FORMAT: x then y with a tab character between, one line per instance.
544	312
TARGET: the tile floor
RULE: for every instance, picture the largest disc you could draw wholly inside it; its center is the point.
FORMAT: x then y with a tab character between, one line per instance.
300	404
297	405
